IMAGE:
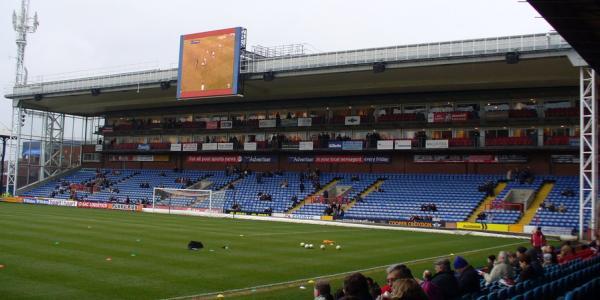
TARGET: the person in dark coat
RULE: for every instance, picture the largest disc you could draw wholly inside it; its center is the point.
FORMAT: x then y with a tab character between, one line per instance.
444	279
535	263
468	279
527	271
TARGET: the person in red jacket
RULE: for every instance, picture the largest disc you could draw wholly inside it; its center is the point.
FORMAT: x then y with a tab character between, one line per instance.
538	240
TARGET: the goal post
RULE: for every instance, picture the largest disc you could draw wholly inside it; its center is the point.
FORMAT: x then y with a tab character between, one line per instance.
185	199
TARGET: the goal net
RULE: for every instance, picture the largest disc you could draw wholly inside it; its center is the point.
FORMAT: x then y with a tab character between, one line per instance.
207	200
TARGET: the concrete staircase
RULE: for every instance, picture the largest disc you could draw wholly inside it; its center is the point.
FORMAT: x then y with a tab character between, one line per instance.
224	187
487	201
305	200
364	193
541	195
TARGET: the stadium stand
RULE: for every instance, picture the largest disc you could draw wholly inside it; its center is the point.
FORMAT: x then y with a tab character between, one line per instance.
399	197
565	192
402	196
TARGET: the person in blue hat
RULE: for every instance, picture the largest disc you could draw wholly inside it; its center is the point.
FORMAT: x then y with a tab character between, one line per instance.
468	279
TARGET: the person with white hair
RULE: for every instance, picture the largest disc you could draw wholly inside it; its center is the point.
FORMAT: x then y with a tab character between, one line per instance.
501	270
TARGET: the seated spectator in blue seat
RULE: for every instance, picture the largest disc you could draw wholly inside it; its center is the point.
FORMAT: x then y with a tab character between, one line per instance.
501	270
468	279
527	271
407	288
432	291
444	278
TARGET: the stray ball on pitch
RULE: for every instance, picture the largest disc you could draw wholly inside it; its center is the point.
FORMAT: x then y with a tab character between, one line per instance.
306	246
338	247
302	244
322	247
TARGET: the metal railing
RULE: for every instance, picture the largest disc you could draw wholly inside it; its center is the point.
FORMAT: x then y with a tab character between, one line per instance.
440	50
474	47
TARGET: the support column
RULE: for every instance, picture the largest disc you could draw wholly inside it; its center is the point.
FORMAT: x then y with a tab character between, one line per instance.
14	149
587	150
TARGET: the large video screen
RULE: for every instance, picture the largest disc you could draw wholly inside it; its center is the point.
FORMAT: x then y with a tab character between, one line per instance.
209	64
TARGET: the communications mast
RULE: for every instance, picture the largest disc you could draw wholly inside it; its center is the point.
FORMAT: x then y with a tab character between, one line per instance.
23	24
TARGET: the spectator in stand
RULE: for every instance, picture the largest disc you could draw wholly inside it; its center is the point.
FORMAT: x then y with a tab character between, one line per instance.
594	246
534	263
374	288
562	208
356	286
567	253
527	272
432	291
468	279
549	256
408	289
513	260
301	187
444	278
284	184
538	240
395	272
322	290
568	192
501	270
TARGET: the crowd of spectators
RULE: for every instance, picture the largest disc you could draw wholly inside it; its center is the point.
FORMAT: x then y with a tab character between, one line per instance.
458	278
334	209
551	207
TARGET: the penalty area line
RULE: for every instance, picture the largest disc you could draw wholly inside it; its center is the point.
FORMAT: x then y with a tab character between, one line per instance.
273	286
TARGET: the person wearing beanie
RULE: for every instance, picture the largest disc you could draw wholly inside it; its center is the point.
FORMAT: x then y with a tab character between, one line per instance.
468	279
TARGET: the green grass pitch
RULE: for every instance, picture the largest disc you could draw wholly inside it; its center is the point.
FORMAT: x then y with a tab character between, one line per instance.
61	253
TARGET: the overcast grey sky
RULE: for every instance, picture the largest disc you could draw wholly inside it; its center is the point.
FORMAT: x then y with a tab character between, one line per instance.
79	35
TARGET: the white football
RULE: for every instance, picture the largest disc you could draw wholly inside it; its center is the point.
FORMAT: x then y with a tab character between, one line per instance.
310	246
306	246
322	247
302	244
338	247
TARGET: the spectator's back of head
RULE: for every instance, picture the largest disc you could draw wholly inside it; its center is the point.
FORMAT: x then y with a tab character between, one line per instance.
322	288
356	285
407	289
399	271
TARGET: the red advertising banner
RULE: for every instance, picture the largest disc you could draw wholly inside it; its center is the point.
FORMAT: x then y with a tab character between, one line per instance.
459	116
214	159
441	117
212	124
86	204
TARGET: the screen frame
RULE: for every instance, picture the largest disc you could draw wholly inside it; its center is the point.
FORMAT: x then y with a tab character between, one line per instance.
234	90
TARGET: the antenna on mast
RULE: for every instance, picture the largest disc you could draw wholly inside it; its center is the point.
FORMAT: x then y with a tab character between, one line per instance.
23	24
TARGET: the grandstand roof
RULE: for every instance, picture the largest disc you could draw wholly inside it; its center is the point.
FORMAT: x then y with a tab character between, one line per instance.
576	20
546	60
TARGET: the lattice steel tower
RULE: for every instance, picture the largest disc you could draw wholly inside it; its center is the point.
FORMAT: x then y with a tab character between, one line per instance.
23	24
